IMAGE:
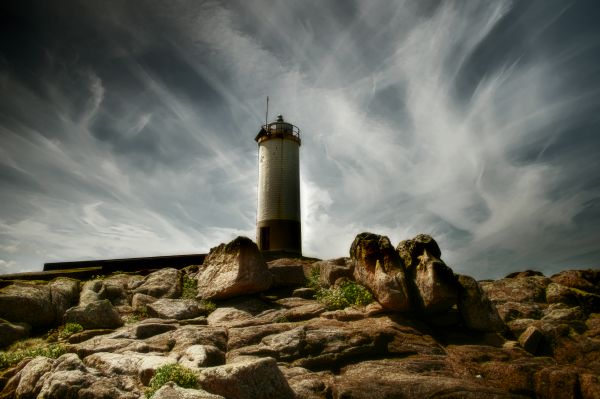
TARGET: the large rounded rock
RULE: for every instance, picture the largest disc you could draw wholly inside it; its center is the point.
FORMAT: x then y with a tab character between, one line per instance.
172	391
584	280
67	377
288	272
89	292
116	288
254	378
333	269
378	267
28	303
436	284
178	309
30	377
517	289
10	332
98	314
558	293
164	283
142	366
400	378
233	269
198	356
530	339
64	293
477	311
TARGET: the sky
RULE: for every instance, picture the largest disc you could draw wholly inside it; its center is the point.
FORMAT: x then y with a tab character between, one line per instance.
127	127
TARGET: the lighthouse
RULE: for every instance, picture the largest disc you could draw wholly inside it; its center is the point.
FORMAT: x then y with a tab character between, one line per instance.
278	207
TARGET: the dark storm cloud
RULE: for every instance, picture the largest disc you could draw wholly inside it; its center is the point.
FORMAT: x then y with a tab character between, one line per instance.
126	127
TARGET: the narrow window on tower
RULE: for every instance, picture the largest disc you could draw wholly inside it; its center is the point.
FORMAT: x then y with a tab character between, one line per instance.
264	238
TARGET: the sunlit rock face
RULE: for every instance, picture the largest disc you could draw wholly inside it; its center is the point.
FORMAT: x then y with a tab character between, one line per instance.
378	267
436	285
233	269
409	278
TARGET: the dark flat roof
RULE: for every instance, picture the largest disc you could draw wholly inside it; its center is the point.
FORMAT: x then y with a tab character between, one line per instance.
131	264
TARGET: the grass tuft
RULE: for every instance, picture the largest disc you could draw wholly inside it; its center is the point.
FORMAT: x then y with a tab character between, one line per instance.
341	296
210	306
34	348
70	329
190	287
180	375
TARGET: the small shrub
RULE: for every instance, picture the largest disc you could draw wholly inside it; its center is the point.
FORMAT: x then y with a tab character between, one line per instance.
141	312
210	306
180	375
12	357
190	287
281	319
313	279
70	329
347	294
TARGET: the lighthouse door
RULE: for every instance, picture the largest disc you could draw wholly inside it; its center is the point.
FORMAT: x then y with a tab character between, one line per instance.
264	238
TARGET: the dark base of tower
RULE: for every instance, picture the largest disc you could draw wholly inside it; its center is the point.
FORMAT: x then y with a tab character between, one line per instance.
278	235
273	255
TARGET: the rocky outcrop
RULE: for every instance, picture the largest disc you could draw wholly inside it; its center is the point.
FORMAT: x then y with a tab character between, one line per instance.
332	270
178	309
558	293
164	283
199	356
171	391
378	267
477	311
437	287
233	269
68	377
410	250
246	379
530	339
288	272
583	280
98	314
522	336
116	288
411	278
396	378
38	304
11	332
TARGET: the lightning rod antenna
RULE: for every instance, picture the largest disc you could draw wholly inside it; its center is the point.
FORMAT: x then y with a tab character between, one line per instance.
267	113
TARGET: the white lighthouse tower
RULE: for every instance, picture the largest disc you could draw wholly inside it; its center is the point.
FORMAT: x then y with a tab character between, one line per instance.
278	214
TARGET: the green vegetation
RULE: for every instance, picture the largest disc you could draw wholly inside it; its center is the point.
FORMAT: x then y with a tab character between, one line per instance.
210	306
29	348
313	279
138	314
281	319
141	312
180	375
70	329
347	294
190	287
190	291
341	296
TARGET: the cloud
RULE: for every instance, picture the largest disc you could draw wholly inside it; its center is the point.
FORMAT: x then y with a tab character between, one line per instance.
456	119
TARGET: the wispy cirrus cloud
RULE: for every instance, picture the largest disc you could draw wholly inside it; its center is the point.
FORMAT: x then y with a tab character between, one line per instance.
468	121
